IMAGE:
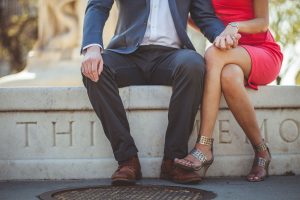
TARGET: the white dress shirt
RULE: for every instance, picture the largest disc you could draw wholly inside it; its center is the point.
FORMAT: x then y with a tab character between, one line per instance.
160	27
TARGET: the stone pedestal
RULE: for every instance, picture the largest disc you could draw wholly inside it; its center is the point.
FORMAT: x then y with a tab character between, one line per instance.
53	133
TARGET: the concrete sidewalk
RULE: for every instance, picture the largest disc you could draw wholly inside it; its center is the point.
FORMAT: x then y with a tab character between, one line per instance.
274	188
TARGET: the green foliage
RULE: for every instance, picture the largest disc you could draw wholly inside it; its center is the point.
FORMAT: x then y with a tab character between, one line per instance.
285	23
298	78
18	32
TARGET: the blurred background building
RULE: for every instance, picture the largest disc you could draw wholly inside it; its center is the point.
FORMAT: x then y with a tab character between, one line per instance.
41	39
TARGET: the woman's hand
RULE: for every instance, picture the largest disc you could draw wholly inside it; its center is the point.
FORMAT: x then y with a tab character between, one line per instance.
257	25
228	38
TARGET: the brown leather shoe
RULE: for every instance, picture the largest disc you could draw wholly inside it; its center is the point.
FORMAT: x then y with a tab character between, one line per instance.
127	173
170	172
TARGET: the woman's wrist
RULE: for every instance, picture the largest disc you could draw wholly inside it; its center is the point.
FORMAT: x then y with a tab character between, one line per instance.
230	30
234	25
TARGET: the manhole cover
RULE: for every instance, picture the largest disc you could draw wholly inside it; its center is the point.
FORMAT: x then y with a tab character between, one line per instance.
138	192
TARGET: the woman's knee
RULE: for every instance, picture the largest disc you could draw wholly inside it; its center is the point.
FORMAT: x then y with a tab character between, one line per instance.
231	76
211	52
214	58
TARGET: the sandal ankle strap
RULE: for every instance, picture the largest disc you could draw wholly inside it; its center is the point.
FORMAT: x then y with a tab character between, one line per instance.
205	140
261	147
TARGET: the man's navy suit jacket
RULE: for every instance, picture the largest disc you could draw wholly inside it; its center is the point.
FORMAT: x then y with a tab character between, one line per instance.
133	18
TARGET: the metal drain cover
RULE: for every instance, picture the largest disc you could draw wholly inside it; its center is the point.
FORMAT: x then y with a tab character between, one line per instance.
137	192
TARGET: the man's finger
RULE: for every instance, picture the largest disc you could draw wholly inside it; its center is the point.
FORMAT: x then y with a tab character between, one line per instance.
223	43
217	42
229	41
89	70
94	71
235	42
100	67
83	69
237	36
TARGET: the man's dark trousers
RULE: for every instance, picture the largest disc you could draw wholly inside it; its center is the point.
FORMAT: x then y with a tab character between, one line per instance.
182	69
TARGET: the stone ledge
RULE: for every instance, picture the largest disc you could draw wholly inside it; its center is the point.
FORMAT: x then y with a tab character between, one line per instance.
135	97
59	169
53	133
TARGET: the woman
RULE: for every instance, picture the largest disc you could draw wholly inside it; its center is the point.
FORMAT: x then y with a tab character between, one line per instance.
255	61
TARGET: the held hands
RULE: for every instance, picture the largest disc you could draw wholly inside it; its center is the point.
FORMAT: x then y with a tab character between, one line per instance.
228	39
92	64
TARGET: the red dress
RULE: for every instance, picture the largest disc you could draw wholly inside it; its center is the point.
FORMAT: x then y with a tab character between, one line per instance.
265	53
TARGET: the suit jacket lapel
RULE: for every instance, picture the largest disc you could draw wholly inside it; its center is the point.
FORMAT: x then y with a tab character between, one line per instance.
148	3
178	22
175	15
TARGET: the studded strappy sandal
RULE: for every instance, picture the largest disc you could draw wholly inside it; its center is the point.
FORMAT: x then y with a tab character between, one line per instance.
199	155
261	163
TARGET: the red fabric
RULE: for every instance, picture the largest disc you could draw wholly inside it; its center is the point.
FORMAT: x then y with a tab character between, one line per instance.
265	53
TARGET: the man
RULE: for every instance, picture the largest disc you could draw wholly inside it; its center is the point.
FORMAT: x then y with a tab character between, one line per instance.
150	47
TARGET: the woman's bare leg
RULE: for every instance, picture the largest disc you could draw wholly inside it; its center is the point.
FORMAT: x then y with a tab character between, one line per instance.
229	78
232	82
215	61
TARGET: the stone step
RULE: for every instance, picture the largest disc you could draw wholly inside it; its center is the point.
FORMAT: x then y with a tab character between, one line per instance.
53	133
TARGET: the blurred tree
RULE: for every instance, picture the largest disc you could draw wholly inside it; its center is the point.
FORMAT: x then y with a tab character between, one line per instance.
18	31
285	23
298	78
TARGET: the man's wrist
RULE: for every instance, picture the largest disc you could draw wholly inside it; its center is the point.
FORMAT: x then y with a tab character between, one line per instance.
93	48
84	49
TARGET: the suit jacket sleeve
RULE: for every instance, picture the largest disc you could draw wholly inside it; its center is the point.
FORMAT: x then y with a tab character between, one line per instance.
96	14
202	12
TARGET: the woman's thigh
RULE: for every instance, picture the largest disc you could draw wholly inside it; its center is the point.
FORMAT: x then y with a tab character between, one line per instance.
265	65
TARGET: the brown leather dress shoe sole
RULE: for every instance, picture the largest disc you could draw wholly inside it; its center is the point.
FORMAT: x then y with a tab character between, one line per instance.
124	181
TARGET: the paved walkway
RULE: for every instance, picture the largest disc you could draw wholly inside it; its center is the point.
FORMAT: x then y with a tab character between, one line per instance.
274	188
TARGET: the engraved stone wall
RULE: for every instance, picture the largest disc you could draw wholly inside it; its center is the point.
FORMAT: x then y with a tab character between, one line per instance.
52	133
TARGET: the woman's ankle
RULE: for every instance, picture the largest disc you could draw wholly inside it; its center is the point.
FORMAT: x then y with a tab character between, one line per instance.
203	146
264	154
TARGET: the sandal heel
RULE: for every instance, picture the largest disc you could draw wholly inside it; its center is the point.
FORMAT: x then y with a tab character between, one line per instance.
205	168
267	169
261	162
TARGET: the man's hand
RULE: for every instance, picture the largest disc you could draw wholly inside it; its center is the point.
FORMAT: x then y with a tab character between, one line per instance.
228	39
92	64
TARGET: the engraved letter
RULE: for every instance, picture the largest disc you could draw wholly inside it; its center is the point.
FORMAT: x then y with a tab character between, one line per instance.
289	130
92	133
63	133
27	131
224	134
